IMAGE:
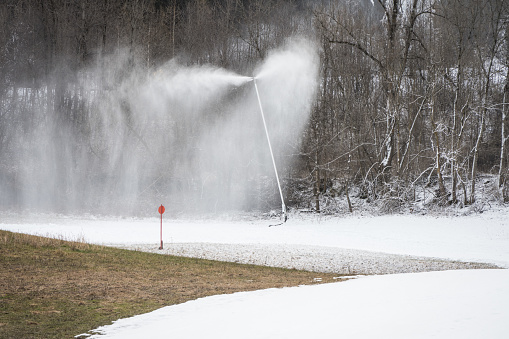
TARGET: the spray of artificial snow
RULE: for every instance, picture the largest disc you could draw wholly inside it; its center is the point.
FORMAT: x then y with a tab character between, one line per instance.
189	137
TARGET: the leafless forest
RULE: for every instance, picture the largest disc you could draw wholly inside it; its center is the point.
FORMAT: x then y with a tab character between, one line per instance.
411	93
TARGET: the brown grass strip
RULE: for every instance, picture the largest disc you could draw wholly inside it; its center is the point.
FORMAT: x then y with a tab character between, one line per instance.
52	288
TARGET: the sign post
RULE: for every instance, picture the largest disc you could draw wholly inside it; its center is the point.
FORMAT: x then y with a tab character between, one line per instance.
161	211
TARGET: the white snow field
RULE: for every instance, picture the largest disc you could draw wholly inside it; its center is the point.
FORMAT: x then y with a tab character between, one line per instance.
451	304
446	304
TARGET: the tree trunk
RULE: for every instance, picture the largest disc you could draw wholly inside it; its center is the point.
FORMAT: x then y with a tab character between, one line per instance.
501	169
348	198
474	161
454	132
441	187
316	188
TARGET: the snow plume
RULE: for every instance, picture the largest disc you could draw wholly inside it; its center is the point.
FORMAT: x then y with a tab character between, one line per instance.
287	82
235	162
125	139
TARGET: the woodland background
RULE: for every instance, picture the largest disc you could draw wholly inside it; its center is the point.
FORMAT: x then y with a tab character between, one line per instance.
412	93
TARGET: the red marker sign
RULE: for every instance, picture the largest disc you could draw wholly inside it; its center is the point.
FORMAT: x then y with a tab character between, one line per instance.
161	211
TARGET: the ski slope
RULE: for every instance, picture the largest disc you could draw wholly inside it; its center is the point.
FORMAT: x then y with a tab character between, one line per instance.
446	304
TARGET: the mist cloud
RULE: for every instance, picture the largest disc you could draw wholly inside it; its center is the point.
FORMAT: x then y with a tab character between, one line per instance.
188	137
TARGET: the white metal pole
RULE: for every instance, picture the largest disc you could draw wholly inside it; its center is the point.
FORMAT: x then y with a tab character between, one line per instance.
283	206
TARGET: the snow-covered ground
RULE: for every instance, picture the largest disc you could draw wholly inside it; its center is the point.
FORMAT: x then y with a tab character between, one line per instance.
446	304
451	304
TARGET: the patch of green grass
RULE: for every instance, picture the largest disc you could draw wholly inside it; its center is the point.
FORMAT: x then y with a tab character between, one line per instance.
51	288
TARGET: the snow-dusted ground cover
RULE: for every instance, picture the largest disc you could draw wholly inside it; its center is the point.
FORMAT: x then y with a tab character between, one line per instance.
312	258
448	304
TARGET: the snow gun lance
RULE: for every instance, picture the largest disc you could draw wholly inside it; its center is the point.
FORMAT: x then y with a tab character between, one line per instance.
284	216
